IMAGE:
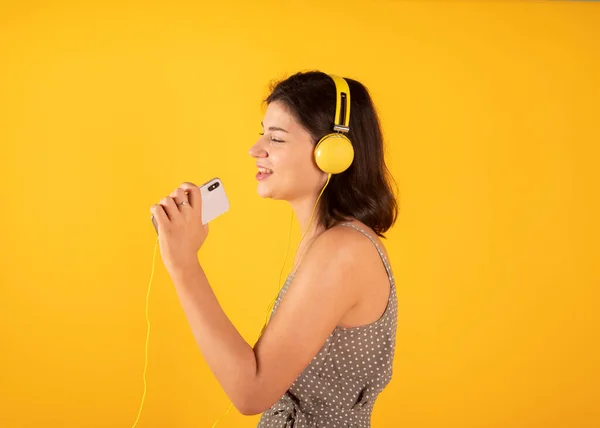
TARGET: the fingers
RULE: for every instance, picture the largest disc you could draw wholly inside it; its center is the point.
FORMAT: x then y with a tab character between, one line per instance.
159	216
180	198
154	223
193	194
169	206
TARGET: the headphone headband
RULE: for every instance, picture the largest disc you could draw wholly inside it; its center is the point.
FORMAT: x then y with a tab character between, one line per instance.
342	104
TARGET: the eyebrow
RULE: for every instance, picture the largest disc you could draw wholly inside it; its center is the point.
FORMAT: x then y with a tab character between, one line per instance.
274	128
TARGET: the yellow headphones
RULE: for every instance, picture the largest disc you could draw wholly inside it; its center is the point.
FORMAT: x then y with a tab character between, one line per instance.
334	152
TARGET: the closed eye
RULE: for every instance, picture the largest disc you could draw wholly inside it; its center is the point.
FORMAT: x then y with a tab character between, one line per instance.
272	139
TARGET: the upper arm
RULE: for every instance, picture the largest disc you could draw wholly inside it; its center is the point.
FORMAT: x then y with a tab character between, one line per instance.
321	292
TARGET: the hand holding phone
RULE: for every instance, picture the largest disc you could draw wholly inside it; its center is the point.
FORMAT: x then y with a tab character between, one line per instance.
214	201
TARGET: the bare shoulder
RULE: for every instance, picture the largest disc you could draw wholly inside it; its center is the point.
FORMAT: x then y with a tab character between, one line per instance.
331	261
349	243
350	238
365	276
348	254
345	242
339	283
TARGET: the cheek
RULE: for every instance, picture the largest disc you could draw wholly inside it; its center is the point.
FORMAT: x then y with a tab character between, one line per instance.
300	166
307	177
310	167
296	171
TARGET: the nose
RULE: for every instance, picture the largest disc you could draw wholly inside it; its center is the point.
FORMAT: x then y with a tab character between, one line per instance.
258	150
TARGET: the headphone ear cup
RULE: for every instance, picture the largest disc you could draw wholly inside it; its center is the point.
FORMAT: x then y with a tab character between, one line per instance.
334	153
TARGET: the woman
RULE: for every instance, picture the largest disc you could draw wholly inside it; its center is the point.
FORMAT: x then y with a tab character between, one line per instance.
327	350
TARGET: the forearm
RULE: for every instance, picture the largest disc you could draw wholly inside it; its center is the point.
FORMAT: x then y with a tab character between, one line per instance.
229	356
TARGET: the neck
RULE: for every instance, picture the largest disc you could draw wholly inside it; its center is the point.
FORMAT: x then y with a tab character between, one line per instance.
303	210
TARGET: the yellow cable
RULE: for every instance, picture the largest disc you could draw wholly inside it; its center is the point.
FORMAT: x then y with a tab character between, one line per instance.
147	332
224	414
300	243
285	259
268	308
287	246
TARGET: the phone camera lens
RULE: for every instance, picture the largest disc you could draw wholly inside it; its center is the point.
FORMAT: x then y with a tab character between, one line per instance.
213	187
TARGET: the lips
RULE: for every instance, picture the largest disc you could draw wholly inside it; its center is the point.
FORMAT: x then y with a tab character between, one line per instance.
263	173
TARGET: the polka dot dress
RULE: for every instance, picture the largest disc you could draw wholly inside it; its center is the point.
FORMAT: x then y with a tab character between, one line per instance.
339	386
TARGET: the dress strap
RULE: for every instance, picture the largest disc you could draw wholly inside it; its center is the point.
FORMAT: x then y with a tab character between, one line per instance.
386	263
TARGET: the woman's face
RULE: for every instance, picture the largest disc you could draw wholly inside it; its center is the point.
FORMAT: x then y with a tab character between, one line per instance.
286	151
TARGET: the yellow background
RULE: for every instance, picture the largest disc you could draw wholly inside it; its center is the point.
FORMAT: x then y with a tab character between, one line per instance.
491	118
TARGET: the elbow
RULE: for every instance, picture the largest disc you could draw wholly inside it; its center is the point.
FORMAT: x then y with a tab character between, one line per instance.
250	404
247	411
244	401
247	407
252	397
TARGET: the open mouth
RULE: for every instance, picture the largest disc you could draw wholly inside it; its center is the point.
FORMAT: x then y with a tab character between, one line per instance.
263	173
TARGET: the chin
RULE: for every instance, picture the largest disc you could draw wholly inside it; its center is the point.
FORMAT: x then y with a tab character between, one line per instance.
265	190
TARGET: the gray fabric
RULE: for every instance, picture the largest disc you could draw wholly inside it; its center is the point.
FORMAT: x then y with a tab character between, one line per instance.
339	386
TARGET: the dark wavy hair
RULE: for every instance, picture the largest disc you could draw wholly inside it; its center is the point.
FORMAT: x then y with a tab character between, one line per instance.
364	190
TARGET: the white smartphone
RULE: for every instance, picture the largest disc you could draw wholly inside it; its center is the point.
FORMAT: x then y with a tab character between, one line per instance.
214	201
